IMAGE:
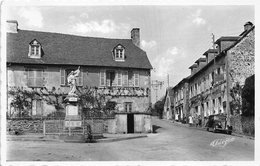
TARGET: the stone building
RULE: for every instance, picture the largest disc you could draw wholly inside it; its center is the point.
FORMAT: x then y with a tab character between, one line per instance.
214	77
115	67
168	104
213	85
181	99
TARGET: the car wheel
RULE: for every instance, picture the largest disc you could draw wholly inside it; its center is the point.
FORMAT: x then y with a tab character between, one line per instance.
214	129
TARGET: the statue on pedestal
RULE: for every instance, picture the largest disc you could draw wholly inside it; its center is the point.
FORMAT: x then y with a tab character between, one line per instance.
72	81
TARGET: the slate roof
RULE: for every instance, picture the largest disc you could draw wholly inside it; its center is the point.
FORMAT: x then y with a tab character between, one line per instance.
227	38
200	60
64	49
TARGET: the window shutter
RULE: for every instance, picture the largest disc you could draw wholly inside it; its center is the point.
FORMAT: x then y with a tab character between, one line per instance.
119	78
34	107
130	79
136	78
125	78
62	77
102	77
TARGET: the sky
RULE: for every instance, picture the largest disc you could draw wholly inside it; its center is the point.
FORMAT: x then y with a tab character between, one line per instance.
173	36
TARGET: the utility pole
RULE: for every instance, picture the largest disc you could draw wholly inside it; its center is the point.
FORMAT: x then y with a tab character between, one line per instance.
213	45
155	84
168	79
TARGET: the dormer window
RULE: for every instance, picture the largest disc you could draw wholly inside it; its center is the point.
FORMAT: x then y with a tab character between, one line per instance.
119	53
34	49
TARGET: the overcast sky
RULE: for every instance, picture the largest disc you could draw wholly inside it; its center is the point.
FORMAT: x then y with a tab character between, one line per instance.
174	37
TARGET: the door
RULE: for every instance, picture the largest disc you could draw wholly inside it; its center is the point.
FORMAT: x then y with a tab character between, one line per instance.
130	123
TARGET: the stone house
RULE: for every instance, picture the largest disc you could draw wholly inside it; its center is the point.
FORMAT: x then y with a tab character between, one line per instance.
181	99
211	83
168	104
116	67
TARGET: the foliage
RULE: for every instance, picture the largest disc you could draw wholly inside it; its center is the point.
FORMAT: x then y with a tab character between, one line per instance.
159	105
21	100
90	100
93	102
248	97
236	103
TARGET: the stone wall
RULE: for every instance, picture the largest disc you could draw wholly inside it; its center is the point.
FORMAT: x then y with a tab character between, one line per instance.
35	126
243	125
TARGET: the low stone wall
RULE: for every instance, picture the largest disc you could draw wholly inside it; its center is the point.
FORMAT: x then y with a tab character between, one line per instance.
35	126
243	125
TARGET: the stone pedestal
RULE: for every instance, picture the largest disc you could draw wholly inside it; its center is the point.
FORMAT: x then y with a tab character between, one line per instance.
72	118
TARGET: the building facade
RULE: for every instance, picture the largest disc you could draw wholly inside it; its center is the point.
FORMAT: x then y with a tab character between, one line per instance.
181	100
215	80
117	68
168	109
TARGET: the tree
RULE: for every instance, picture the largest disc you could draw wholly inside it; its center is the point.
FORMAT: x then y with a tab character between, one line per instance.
248	97
159	105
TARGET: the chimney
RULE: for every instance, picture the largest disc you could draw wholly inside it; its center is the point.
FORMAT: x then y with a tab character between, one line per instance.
12	26
248	25
135	36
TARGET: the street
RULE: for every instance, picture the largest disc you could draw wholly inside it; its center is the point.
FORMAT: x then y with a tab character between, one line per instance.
171	142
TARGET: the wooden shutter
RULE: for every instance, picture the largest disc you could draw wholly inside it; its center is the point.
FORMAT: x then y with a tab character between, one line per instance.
62	77
34	107
119	78
125	78
136	78
102	77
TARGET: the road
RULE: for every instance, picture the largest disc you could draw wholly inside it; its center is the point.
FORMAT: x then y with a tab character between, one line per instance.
171	142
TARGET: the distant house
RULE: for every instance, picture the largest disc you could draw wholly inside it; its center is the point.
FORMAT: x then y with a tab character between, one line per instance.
181	100
117	66
168	104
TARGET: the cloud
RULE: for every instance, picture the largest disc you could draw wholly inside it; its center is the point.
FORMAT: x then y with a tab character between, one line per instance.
106	26
197	19
164	63
150	44
32	16
84	15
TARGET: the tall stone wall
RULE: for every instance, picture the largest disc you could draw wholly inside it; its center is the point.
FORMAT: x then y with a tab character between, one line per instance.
242	59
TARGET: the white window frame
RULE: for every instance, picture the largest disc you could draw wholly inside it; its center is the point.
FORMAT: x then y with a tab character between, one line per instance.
36	51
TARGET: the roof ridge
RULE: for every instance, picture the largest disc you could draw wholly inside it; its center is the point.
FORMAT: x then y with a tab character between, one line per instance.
67	34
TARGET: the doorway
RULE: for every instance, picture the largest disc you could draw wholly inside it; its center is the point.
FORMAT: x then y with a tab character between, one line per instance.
130	123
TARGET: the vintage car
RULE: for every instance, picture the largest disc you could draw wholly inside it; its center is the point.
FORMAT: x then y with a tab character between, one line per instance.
218	123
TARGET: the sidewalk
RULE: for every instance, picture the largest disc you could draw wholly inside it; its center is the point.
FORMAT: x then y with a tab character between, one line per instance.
205	129
106	137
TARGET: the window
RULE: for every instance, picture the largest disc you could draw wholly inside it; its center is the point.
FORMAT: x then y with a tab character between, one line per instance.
34	49
113	78
130	78
35	78
128	106
64	75
36	107
119	53
110	78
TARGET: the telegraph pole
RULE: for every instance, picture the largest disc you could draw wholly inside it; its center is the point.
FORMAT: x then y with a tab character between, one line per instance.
168	79
155	84
213	45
